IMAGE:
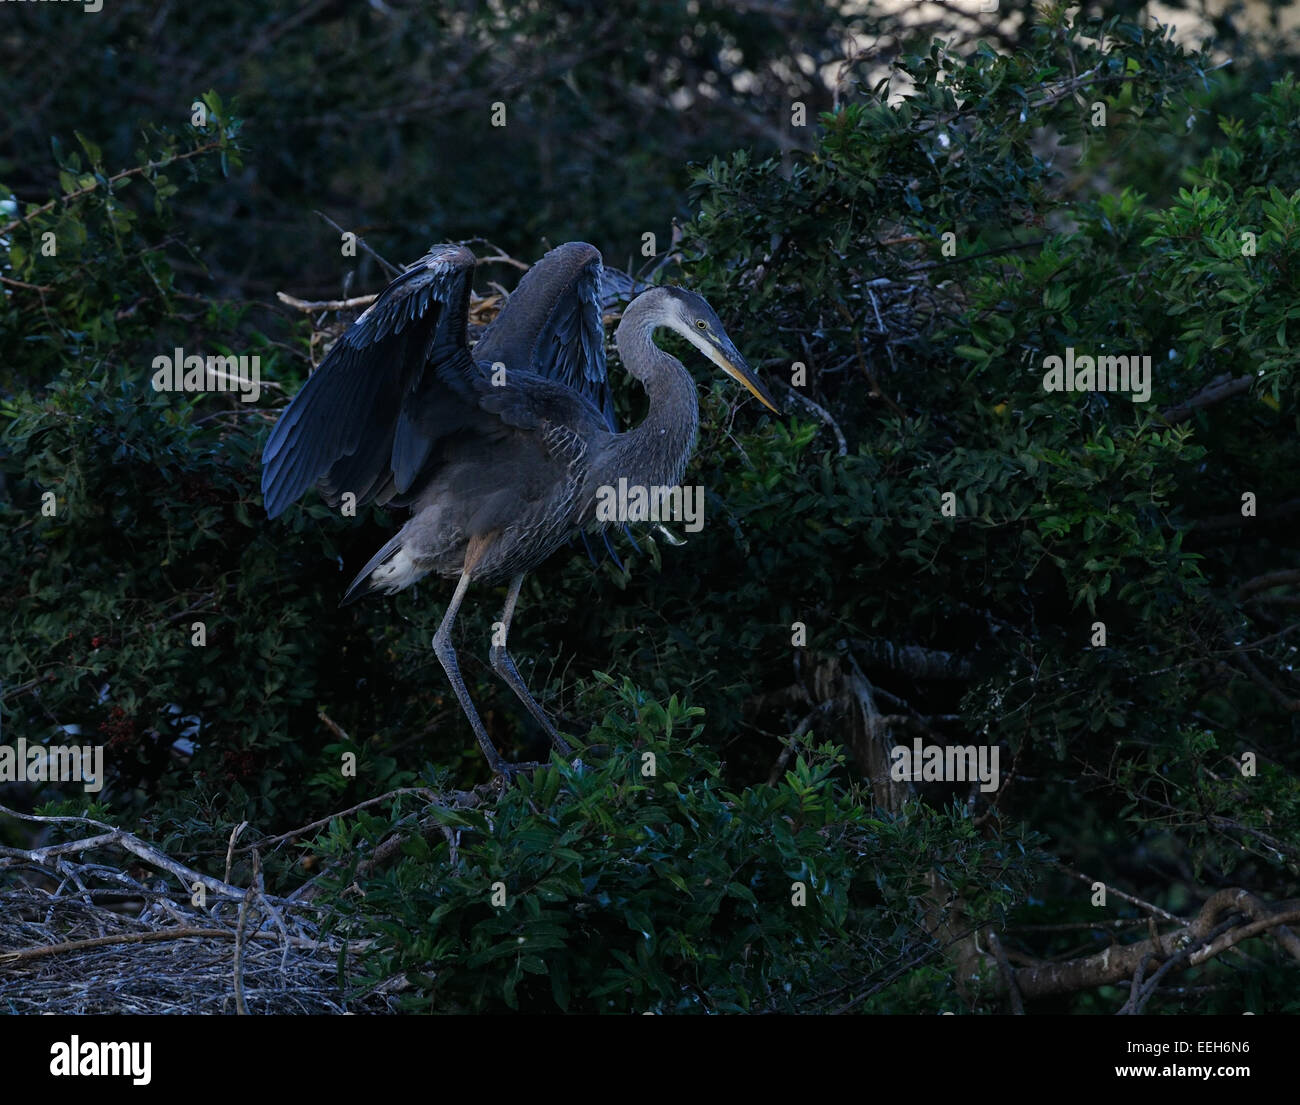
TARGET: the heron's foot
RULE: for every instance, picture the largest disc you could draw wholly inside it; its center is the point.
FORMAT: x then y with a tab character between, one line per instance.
504	774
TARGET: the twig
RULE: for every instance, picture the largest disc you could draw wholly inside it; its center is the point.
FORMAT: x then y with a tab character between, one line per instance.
11	282
324	822
1154	910
875	392
391	269
136	171
326	304
1067	88
333	726
230	848
133	938
842	447
789	746
504	259
237	962
1218	389
112	837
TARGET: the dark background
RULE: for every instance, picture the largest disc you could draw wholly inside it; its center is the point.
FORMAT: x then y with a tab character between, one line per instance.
820	245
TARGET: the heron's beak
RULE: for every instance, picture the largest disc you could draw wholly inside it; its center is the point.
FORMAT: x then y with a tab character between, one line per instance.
727	357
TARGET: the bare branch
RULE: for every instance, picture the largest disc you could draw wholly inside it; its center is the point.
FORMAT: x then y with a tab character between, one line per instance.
1218	389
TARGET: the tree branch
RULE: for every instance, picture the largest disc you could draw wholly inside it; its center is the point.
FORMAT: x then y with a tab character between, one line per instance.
1218	389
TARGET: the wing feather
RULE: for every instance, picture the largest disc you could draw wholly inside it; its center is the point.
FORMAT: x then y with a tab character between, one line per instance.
350	427
551	325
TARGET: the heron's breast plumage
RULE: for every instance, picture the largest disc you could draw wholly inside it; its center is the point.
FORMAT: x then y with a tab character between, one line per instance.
523	489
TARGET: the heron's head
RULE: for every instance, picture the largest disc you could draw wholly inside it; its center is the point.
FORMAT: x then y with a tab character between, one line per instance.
692	317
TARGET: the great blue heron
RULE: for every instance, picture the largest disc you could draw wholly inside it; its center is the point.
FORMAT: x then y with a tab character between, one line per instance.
500	452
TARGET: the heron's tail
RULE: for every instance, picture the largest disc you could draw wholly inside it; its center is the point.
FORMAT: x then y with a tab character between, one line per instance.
390	570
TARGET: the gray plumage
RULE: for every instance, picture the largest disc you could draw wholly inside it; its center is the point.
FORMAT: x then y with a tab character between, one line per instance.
500	452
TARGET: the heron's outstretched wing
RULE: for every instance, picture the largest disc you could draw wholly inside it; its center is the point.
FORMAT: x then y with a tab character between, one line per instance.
361	421
551	325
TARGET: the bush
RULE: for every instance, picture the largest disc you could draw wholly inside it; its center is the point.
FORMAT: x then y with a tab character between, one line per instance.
929	546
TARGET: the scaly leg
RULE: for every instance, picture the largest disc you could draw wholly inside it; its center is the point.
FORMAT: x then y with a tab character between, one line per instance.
447	657
504	666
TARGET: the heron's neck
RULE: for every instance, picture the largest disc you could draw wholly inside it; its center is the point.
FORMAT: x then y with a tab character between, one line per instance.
656	451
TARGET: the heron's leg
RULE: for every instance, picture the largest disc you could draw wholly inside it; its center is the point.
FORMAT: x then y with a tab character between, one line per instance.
447	657
504	666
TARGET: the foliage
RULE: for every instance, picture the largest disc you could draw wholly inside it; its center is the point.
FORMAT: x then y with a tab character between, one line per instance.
923	352
644	884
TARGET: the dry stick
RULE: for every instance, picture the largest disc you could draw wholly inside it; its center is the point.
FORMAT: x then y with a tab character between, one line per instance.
196	606
392	845
992	251
1221	387
70	875
109	838
10	282
824	415
501	257
230	848
392	269
269	908
323	822
1004	786
135	938
1253	646
1221	822
326	304
1152	909
1075	926
23	688
1267	839
309	305
333	726
876	391
1074	84
237	966
126	841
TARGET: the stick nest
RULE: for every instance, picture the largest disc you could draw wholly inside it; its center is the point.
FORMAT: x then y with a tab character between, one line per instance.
107	923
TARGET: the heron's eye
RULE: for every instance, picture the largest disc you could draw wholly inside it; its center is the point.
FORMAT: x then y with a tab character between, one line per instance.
701	324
